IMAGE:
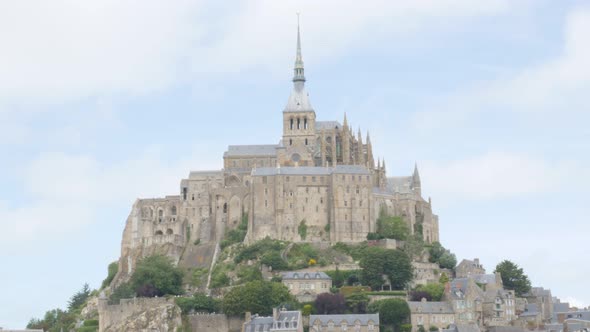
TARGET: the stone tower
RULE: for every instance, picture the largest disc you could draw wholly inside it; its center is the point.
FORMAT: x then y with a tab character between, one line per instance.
298	119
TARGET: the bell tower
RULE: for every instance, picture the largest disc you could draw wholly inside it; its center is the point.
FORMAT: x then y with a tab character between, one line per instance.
299	134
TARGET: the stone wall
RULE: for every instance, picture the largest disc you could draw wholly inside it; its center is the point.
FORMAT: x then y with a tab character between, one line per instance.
139	314
215	323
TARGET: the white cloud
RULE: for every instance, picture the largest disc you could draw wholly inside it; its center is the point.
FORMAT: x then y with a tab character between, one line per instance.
67	191
574	302
64	50
557	86
494	175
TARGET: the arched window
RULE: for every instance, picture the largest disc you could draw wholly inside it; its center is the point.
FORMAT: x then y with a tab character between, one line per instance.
159	233
305	124
291	124
169	231
290	141
306	141
224	207
298	123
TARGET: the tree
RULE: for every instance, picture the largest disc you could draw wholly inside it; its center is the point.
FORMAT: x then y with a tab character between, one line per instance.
112	271
394	264
338	278
357	302
448	260
513	277
156	276
54	320
328	303
79	298
444	278
258	297
444	257
199	302
392	312
392	227
414	247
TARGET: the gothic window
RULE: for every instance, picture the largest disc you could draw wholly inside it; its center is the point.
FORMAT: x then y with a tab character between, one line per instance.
298	123
305	127
224	207
291	125
306	141
290	141
184	192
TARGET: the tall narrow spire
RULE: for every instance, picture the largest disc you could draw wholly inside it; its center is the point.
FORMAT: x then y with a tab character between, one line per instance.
299	71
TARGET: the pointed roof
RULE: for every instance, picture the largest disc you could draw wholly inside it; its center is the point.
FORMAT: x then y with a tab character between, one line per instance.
416	175
345	122
299	98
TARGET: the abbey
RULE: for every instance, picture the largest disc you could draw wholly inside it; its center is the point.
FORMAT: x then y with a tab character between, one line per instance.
319	183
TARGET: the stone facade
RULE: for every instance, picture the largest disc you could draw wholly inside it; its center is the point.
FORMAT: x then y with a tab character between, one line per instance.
431	314
350	322
468	267
306	286
319	176
281	321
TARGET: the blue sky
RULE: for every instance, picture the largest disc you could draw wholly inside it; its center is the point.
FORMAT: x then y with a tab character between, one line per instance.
102	102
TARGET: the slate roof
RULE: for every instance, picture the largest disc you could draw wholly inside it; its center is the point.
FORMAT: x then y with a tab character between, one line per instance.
430	307
305	275
462	328
308	170
267	150
396	184
484	278
298	100
321	125
267	322
256	322
194	174
350	319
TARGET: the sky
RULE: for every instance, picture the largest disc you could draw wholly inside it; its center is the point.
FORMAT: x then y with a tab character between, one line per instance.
104	102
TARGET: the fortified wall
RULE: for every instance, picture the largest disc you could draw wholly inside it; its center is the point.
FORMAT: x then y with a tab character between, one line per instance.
139	314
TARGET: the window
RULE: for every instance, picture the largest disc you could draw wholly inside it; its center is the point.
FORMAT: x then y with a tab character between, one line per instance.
291	124
265	203
266	191
290	141
305	127
306	141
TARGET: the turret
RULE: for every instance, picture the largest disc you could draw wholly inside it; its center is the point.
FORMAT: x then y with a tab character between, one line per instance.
416	185
345	142
370	160
360	157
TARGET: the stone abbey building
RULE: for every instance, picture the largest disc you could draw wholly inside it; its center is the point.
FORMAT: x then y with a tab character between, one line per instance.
320	175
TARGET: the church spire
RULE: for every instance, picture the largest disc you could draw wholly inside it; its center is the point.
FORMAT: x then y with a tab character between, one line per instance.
299	71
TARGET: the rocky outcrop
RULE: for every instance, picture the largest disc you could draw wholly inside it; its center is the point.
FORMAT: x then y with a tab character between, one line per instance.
139	314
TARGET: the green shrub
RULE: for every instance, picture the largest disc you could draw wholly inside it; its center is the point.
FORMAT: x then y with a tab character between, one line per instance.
406	328
112	271
258	249
302	229
274	260
199	302
91	322
249	273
